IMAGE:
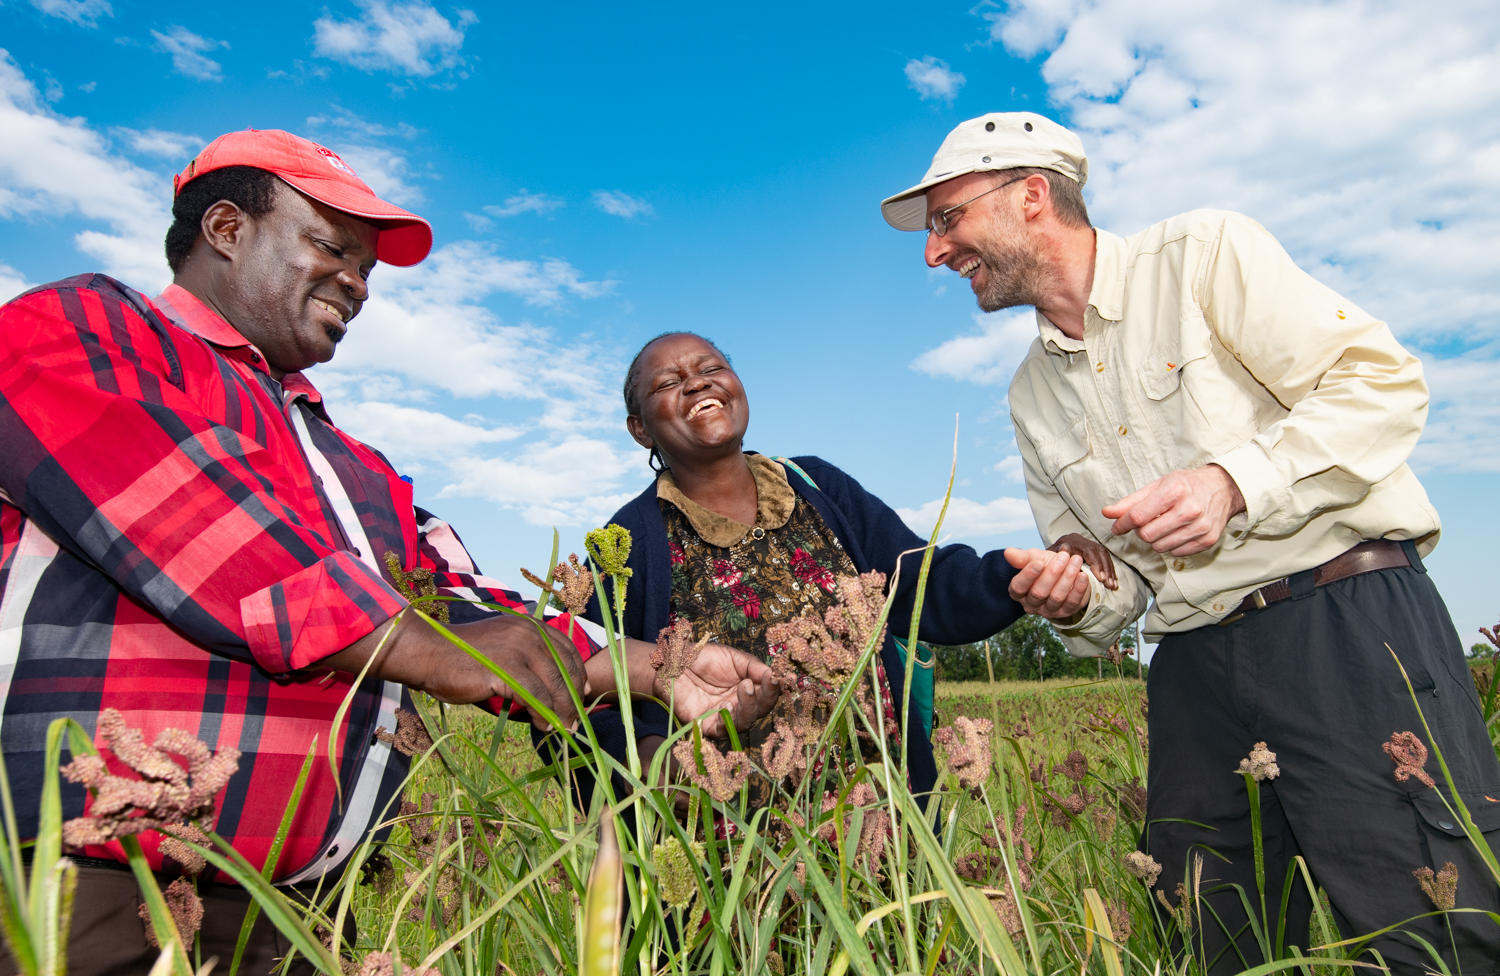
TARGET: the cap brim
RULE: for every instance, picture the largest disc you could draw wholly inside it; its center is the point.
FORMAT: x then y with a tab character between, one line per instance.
907	210
405	239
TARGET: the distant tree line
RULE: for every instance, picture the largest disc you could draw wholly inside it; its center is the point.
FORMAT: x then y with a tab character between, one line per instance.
1028	650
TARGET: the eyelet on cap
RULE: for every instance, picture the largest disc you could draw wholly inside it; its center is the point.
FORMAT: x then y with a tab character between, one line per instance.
989	127
1028	126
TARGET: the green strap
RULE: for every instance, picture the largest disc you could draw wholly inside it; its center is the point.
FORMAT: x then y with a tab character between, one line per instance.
788	462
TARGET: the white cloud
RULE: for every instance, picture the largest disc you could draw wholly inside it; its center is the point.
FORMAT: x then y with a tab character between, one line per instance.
190	53
12	283
989	357
418	437
403	38
84	13
1463	424
1011	468
525	202
159	143
54	166
970	519
1366	137
622	204
560	456
349	121
556	484
932	78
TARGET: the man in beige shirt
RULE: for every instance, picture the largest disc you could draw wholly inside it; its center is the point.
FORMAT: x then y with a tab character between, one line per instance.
1236	433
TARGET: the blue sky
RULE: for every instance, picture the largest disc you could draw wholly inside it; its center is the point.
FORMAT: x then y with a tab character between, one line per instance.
597	174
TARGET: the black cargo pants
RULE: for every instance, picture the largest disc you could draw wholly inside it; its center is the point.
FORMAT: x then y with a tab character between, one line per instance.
1311	676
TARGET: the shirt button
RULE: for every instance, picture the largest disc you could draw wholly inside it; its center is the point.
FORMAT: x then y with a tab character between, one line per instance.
1099	368
1178	564
1123	431
1218	608
255	357
757	533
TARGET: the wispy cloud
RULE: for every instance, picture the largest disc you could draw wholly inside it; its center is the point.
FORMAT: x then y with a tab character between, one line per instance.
84	13
12	282
622	204
342	118
932	78
54	166
989	356
525	202
403	38
968	519
160	143
189	53
1011	468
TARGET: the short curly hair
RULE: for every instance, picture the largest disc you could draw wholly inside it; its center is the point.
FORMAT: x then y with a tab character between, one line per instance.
250	188
633	374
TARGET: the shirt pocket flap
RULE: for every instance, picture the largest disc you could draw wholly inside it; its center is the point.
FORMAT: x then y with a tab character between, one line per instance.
1484	810
1061	450
1161	373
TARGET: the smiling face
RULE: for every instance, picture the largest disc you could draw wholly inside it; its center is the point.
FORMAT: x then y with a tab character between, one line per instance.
294	277
989	244
692	407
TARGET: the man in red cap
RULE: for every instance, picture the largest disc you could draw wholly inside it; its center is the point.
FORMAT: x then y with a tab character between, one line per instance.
189	541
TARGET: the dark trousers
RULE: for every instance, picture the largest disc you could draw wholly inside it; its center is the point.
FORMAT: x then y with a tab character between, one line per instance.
1312	678
109	937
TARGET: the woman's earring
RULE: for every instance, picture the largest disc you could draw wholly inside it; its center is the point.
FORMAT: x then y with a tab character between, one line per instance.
656	459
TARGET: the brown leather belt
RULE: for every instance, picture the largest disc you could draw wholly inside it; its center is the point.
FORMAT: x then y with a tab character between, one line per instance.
1367	557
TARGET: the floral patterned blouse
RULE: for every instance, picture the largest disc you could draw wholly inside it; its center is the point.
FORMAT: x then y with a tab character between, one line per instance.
735	581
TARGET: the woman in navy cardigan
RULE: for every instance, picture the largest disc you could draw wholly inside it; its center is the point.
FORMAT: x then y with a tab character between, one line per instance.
732	541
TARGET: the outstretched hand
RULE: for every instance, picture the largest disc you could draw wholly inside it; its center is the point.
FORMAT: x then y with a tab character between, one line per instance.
722	677
1049	584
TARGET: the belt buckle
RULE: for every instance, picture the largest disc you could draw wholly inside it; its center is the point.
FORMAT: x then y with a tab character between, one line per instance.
1259	598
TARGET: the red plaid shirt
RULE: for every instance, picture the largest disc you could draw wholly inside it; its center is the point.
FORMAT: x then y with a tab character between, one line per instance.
182	538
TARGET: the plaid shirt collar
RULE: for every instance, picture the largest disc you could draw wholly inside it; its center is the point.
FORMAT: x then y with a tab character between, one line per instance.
188	311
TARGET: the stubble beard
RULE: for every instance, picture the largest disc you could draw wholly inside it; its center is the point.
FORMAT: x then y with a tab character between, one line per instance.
1015	272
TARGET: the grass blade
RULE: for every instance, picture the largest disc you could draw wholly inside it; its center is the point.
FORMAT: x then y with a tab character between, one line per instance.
272	858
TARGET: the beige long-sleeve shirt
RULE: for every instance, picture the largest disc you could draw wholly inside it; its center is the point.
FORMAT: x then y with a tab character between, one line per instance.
1205	343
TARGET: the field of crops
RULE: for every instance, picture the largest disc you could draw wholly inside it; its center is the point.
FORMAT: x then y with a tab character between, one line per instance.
1025	864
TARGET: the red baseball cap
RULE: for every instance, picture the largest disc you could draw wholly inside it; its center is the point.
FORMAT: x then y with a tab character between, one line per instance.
404	239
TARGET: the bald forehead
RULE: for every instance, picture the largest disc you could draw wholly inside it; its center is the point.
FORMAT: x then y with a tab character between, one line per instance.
662	353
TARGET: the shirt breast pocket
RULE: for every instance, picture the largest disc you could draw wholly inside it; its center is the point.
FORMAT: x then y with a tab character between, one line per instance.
1069	461
1061	450
1182	402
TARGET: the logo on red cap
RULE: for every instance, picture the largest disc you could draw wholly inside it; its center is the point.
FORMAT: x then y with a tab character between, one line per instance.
335	161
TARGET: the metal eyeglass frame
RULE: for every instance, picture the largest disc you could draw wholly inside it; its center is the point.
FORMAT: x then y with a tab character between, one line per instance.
939	223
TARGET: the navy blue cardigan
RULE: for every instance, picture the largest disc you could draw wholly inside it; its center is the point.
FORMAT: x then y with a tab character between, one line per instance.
968	596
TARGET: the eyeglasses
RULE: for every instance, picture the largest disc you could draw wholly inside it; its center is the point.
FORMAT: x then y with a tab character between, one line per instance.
939	222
